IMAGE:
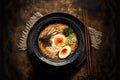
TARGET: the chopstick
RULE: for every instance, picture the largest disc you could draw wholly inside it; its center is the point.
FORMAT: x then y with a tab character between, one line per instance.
87	38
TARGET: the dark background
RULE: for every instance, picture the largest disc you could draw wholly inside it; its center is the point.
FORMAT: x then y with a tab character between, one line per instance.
9	13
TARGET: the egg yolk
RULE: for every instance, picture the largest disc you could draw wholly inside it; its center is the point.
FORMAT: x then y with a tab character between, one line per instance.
58	40
64	51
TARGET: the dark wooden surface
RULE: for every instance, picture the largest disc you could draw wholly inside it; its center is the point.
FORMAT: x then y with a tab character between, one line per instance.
17	65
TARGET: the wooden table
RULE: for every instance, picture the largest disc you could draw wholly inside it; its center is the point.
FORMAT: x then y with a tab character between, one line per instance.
17	65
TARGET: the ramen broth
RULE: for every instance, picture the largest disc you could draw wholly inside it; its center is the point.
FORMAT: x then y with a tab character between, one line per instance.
57	41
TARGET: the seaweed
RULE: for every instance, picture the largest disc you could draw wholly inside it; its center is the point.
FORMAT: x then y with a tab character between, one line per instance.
46	40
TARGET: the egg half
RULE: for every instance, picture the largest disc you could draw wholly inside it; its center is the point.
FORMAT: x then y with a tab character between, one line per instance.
58	40
64	52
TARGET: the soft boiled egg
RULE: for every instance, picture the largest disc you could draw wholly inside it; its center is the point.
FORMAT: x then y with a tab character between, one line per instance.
64	52
58	40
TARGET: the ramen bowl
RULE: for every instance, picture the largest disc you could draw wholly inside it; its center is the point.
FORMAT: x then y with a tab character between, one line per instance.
57	39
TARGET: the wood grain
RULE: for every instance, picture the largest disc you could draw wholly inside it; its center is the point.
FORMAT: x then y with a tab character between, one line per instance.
17	65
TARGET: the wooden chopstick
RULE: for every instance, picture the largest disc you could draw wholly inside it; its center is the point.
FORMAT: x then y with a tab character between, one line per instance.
87	38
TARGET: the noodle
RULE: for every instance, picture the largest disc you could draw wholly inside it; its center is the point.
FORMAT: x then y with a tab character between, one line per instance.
49	33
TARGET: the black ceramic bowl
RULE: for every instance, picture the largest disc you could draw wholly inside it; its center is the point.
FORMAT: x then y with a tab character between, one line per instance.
78	27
